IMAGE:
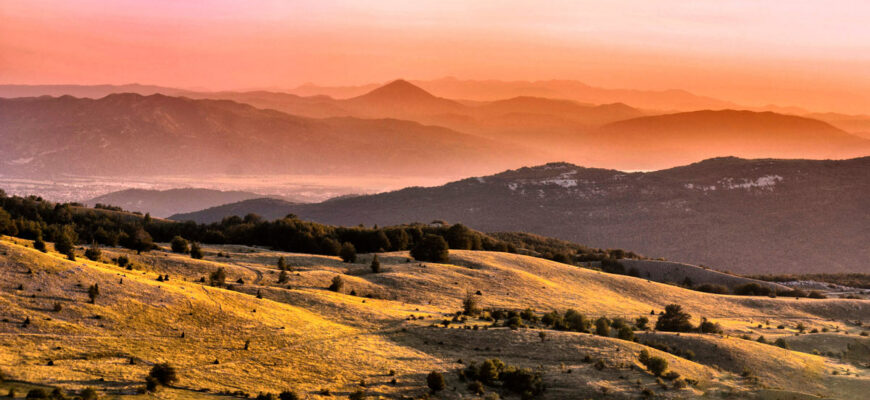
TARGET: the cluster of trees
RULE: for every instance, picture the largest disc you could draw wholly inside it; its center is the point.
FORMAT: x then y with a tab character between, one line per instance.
494	372
68	224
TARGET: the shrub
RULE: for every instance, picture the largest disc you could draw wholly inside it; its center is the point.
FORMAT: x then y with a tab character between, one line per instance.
179	245
602	326
625	333
576	322
470	304
93	253
674	320
357	395
376	264
657	365
347	252
781	343
522	380
515	322
163	373
216	278
476	387
288	395
122	261
435	381
88	394
431	248
195	251
39	244
337	284
489	371
671	375
643	356
815	294
642	323
36	394
282	264
709	327
752	289
711	288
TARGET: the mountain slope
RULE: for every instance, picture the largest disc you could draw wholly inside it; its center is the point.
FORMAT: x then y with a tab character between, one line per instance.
163	203
128	134
748	216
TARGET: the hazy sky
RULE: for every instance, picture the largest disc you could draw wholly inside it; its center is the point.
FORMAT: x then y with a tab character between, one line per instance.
800	52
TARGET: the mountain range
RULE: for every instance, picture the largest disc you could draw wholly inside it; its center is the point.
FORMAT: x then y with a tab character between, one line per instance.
746	216
396	129
131	134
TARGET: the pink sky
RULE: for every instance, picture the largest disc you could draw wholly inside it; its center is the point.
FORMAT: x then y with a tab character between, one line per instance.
809	53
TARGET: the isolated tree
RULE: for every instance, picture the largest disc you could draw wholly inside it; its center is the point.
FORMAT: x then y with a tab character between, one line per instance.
164	374
283	277
179	245
93	253
674	320
337	284
435	381
140	240
348	252
431	248
218	277
376	264
195	251
282	264
470	304
93	292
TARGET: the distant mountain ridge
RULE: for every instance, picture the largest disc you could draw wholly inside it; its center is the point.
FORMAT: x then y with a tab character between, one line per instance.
163	203
129	134
728	213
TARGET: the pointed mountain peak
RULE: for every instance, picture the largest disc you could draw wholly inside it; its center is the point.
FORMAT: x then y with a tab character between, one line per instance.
399	89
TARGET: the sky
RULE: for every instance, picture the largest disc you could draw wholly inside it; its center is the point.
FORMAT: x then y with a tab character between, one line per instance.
814	54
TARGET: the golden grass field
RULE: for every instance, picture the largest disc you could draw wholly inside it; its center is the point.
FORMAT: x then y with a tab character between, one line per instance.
309	339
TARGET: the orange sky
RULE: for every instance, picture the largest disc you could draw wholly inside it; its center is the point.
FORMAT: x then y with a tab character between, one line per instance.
814	54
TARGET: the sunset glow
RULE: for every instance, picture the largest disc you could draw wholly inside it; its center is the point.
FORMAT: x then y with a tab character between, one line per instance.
804	53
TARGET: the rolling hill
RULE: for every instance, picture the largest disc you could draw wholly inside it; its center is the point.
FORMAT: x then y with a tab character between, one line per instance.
382	333
130	134
163	203
747	216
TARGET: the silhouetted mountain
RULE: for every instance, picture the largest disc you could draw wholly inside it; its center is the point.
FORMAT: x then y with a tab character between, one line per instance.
163	203
130	134
662	140
748	216
85	91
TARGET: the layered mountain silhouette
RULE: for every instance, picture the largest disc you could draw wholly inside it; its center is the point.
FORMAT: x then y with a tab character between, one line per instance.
130	134
398	128
749	216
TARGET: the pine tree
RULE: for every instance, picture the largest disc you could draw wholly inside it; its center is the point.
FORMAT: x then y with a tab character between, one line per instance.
283	277
93	292
282	264
93	253
195	251
376	264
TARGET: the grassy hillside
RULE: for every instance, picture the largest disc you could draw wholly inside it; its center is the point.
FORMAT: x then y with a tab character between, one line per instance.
309	339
